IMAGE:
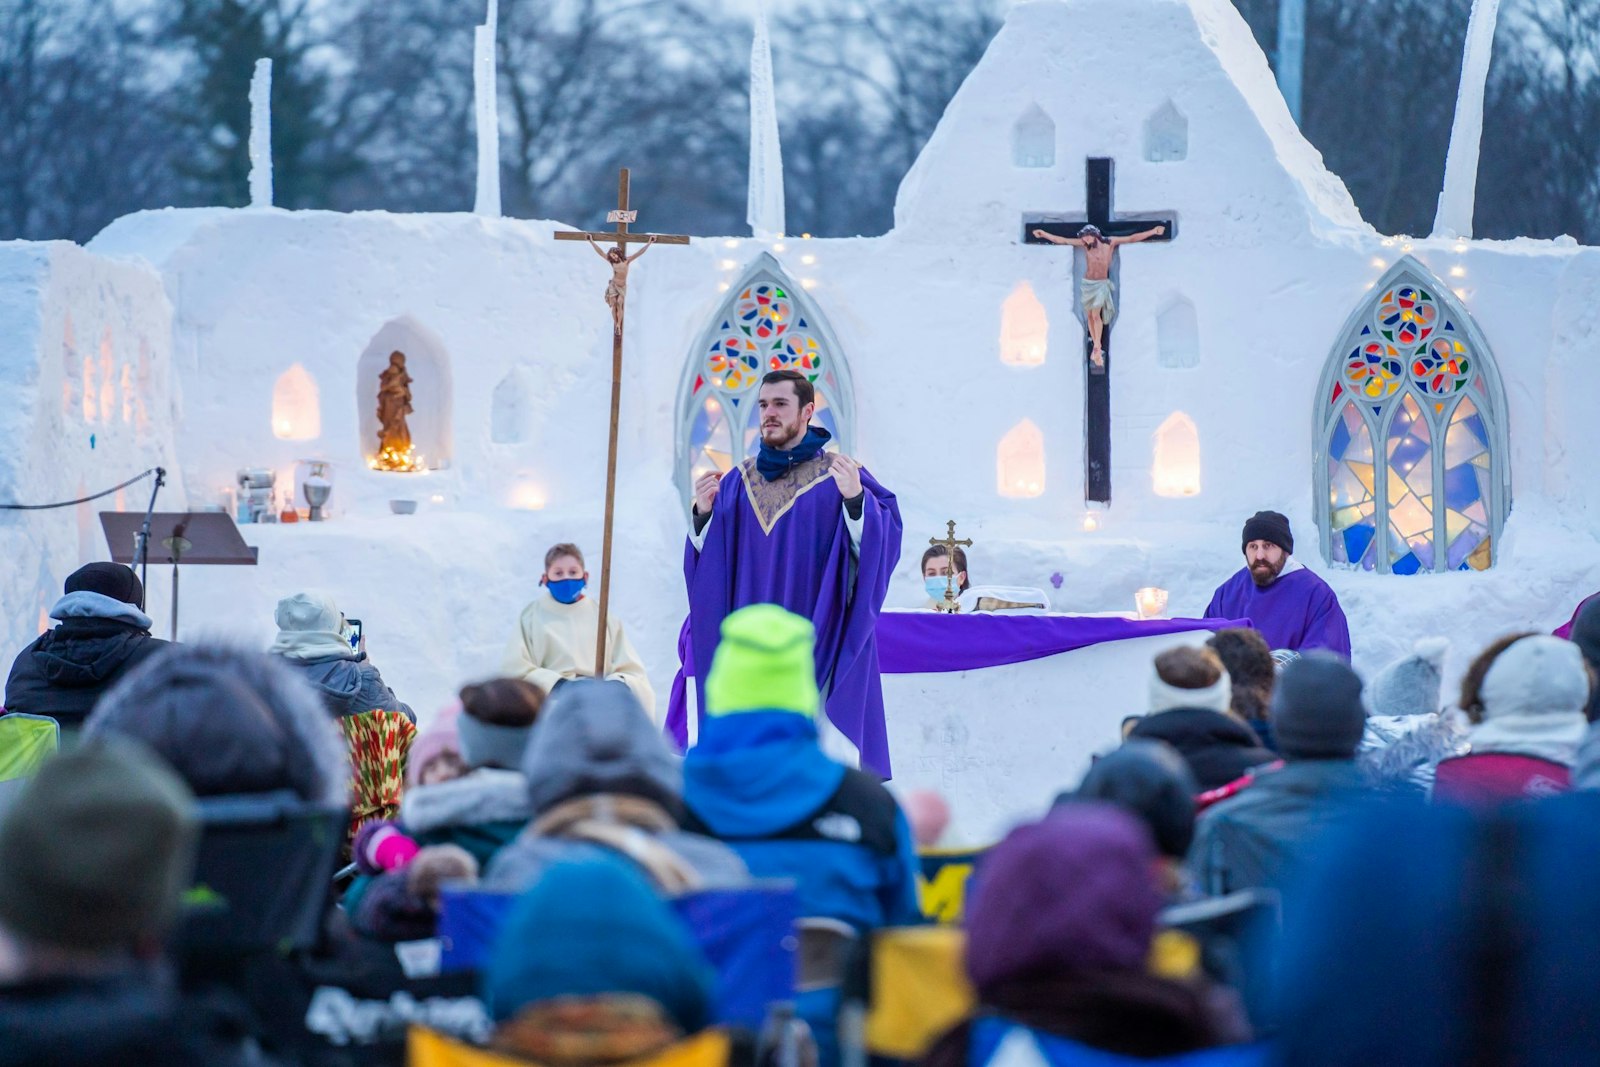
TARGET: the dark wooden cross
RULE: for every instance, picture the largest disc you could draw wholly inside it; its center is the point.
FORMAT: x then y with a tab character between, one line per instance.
616	299
1097	380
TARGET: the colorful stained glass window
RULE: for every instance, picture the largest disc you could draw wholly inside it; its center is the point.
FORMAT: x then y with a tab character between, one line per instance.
764	324
1350	487
1412	372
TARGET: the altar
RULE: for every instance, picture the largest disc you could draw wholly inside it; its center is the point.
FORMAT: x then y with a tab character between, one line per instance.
964	714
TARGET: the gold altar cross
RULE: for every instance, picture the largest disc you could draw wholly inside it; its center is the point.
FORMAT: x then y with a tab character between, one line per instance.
616	299
948	605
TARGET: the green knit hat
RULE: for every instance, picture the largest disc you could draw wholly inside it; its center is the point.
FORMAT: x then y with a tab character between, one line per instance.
95	850
764	663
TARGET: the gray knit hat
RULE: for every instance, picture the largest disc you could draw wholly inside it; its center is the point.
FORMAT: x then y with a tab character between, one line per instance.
1410	685
96	849
1316	710
593	737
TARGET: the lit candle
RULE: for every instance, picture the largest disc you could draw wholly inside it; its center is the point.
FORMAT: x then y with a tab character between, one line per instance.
1150	602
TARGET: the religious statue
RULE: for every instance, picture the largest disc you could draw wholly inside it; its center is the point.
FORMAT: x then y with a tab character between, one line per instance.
1099	294
394	404
617	288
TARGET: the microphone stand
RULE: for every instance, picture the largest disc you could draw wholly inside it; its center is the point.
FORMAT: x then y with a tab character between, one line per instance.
141	541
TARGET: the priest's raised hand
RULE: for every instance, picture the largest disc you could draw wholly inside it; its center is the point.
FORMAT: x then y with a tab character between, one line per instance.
813	532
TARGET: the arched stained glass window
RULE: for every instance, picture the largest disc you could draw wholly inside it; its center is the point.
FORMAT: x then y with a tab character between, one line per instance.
765	323
1412	373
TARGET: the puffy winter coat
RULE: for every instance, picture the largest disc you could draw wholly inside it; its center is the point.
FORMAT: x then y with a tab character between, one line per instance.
64	672
1252	839
350	685
1218	748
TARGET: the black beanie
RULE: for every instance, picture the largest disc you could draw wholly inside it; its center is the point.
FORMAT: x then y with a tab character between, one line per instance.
108	579
1316	709
1150	780
1586	630
1268	526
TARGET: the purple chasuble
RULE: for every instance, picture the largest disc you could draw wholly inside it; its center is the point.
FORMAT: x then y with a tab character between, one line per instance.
1298	611
784	542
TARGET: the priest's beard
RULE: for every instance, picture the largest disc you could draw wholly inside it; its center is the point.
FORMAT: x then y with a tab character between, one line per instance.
775	433
1264	573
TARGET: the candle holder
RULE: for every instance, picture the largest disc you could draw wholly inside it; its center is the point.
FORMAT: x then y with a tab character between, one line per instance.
1150	602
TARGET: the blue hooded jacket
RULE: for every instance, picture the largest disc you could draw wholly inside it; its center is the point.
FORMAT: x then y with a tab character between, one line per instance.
759	782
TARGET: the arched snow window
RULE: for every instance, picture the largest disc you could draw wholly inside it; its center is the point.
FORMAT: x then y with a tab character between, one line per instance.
1033	139
1166	135
765	323
1412	463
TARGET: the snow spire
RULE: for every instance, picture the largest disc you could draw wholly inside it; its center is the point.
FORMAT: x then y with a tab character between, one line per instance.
485	83
1460	192
260	144
764	212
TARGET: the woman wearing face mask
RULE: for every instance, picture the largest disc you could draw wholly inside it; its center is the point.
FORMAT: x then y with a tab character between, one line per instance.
936	574
556	636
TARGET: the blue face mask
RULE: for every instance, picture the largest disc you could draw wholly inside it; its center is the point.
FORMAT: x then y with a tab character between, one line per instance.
566	590
936	587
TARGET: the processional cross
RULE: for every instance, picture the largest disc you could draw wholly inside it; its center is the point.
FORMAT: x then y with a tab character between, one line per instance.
1098	299
616	300
948	605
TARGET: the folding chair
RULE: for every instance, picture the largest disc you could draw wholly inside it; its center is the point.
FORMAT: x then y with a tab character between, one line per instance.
996	1041
747	935
907	988
425	1048
943	875
263	875
26	741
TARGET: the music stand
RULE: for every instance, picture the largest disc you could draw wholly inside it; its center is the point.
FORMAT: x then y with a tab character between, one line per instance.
192	537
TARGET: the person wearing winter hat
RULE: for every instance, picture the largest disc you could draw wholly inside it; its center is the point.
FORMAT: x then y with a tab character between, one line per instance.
1525	696
1189	699
1407	733
1584	631
1253	839
95	853
1252	675
1059	930
592	967
1292	607
229	721
103	634
759	781
1150	780
479	812
313	637
602	781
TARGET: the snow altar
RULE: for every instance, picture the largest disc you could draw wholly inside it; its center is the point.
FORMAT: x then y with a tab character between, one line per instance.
951	358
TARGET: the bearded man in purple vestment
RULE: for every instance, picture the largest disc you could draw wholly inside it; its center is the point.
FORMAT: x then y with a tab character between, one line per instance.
1291	607
810	531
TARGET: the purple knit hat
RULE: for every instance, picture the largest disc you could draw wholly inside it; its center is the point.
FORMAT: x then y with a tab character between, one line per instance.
1075	891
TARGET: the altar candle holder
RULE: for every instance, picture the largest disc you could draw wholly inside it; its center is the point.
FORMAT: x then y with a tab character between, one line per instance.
1150	602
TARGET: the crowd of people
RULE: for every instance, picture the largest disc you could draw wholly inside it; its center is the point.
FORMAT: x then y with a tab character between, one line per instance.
1278	863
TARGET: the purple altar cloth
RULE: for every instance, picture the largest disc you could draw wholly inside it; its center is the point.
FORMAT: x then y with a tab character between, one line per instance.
916	642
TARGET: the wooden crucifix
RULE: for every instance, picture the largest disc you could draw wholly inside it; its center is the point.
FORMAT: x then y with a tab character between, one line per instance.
616	299
1099	234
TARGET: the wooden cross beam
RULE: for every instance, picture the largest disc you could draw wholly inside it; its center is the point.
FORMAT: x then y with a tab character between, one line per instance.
1097	380
616	298
623	216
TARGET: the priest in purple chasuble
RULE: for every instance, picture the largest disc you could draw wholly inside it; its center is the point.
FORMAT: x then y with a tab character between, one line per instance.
810	531
1290	606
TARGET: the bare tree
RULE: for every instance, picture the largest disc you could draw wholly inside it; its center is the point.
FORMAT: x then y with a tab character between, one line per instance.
1539	174
82	139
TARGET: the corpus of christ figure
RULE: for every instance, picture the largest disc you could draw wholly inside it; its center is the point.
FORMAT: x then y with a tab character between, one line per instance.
816	534
617	288
1098	294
